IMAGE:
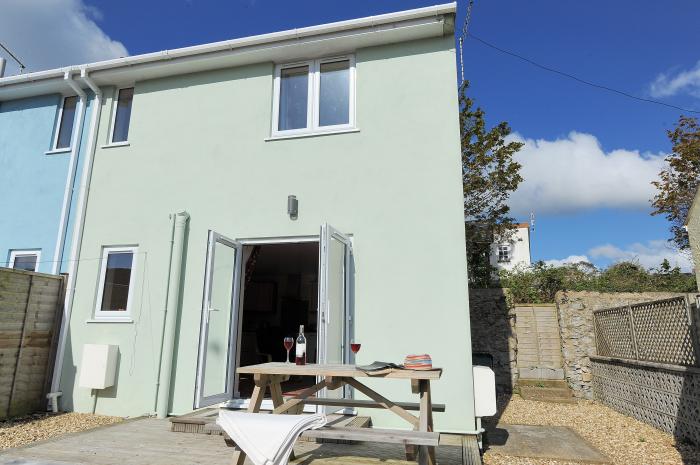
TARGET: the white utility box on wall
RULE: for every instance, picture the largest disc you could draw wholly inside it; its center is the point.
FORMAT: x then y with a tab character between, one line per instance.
99	366
484	391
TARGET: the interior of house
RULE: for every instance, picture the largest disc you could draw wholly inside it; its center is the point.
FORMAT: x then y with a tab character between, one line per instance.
279	293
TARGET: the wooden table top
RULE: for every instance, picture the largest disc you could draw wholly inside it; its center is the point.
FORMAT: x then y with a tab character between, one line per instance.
340	370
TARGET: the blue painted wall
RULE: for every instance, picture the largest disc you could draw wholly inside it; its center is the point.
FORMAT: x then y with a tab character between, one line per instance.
32	183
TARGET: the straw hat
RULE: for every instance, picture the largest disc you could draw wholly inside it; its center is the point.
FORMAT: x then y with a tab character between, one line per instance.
418	362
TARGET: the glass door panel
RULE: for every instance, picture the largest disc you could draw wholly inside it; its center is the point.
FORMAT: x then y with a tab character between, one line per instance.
215	373
335	262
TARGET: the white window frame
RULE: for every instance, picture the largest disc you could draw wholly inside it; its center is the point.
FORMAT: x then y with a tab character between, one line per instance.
509	249
113	314
313	101
54	147
115	104
21	252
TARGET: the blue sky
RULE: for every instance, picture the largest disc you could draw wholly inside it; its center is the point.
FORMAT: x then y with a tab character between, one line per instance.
590	154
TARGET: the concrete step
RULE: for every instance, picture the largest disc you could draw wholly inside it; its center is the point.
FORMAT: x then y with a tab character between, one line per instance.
539	391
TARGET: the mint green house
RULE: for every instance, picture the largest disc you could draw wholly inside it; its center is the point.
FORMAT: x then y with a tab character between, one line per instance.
241	189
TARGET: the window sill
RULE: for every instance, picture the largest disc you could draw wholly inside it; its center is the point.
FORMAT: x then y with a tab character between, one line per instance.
57	151
115	144
110	320
300	135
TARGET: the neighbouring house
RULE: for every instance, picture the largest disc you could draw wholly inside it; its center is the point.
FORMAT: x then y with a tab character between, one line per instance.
692	226
240	189
42	149
513	250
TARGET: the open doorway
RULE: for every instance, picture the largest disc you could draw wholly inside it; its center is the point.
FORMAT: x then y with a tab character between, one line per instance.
279	292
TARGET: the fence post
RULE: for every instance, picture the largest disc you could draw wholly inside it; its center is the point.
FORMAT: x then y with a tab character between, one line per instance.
13	388
634	333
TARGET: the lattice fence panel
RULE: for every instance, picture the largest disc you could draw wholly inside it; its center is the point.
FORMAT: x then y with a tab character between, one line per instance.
613	331
664	398
664	332
661	331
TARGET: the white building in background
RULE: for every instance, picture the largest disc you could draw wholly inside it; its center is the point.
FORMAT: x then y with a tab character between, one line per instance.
514	251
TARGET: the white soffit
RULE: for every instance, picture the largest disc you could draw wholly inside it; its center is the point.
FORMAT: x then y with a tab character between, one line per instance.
329	39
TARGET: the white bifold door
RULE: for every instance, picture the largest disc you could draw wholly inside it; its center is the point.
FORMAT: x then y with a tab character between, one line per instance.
335	299
215	373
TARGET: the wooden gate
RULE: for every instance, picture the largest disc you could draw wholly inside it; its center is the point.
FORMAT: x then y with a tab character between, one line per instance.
539	342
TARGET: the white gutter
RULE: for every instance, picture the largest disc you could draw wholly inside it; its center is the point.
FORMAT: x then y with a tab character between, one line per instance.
170	317
78	228
70	178
262	39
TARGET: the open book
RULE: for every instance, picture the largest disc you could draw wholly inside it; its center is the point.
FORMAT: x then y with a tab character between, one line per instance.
379	368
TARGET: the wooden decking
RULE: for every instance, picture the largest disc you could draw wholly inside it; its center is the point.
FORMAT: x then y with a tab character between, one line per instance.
150	442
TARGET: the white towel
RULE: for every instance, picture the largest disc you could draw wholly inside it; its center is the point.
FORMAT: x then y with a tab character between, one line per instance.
267	439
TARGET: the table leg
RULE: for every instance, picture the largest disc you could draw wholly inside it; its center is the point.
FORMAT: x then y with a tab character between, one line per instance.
261	382
426	455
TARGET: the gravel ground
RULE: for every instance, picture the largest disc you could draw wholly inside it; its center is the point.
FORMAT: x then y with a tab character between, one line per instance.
24	430
625	440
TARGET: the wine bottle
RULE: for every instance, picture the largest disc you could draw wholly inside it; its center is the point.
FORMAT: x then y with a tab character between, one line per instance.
300	358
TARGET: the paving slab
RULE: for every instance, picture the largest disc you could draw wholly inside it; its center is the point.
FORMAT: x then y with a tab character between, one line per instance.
543	442
150	442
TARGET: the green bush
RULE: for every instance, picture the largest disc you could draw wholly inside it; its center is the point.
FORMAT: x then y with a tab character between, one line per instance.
540	282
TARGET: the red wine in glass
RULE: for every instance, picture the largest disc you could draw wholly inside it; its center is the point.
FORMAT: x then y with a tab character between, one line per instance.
288	344
355	347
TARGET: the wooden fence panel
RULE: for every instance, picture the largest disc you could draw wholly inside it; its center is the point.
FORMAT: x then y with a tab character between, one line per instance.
31	307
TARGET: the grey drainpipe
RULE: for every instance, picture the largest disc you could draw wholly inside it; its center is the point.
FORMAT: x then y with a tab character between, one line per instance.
170	323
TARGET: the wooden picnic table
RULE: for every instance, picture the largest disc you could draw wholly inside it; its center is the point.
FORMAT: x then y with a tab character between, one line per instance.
334	376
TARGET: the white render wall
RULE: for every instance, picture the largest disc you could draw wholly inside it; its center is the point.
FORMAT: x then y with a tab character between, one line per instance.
520	250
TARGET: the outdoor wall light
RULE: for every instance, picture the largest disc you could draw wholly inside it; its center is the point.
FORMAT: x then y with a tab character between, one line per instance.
292	207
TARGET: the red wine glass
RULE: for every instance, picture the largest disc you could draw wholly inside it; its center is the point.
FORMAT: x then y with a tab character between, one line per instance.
288	344
355	346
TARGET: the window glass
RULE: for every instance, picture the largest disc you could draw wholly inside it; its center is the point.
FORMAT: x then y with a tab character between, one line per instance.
123	115
115	294
65	126
294	98
504	253
25	262
334	93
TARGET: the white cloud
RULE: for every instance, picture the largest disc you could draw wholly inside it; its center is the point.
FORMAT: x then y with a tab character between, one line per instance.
649	255
574	173
54	33
667	85
571	259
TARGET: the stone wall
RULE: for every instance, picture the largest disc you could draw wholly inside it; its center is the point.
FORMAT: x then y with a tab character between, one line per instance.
493	332
577	333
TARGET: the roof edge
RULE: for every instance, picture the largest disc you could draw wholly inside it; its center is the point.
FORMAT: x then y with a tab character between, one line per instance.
261	39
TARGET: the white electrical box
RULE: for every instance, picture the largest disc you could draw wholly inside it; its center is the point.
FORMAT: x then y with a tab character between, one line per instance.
484	391
99	366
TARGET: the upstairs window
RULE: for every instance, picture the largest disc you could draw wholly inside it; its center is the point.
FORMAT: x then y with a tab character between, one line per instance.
64	126
314	96
122	115
116	282
503	253
27	260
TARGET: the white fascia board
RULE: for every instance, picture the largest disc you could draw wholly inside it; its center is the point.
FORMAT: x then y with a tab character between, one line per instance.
342	36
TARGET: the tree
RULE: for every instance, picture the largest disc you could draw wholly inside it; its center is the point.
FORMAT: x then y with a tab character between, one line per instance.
489	176
678	183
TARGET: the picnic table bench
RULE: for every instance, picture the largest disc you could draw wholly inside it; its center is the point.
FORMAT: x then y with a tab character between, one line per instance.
420	441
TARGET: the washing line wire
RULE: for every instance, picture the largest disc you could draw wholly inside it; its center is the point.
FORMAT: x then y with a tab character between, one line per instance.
575	78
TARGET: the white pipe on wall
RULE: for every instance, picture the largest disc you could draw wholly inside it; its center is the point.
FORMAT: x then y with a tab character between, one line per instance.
70	178
165	310
170	323
78	229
